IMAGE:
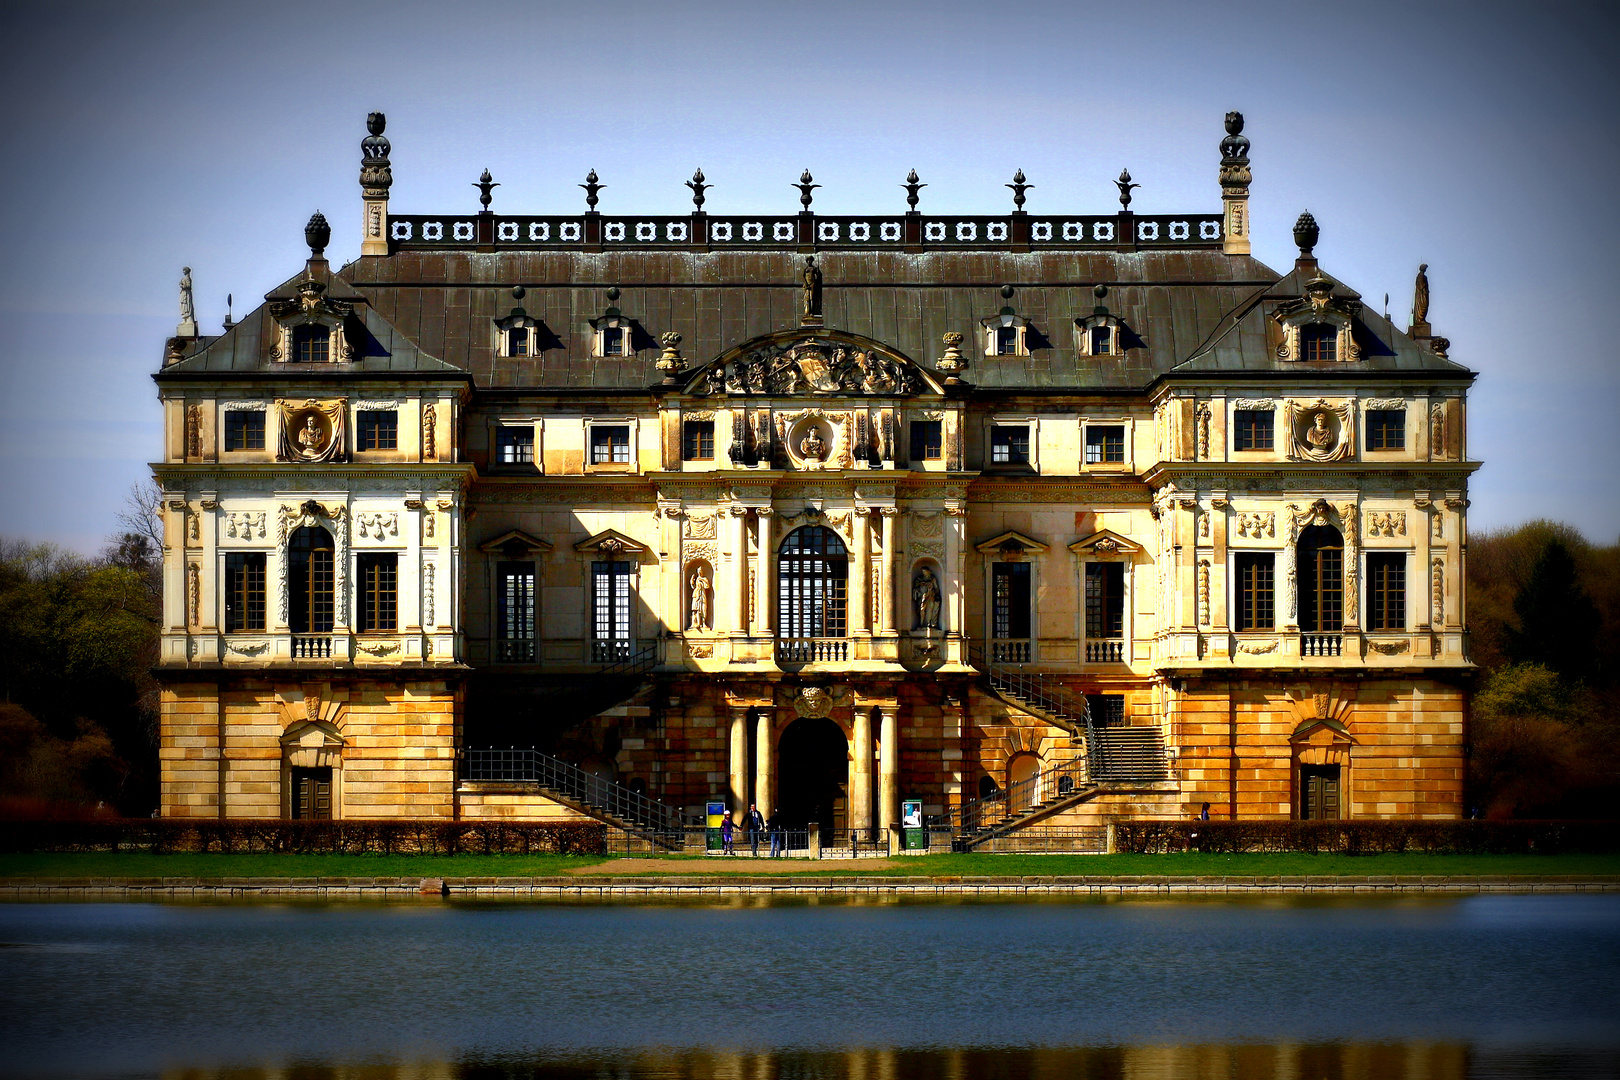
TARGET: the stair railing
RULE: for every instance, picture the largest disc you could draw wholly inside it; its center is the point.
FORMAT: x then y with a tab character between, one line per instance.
984	816
1044	693
608	796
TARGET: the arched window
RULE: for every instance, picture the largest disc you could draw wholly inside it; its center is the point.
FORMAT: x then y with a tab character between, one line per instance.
1318	341
311	344
309	581
813	580
1321	580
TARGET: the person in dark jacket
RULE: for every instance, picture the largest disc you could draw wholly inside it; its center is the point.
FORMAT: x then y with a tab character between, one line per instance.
754	822
776	835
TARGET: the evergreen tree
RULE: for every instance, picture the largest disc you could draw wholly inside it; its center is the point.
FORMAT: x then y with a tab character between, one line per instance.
1558	623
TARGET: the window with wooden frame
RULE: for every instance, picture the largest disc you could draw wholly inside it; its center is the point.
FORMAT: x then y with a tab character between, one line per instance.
812	584
1006	343
1254	429
379	593
1009	600
1321	580
311	344
1386	590
244	429
1107	710
1101	339
614	341
1386	429
1256	596
1318	341
927	440
1009	444
244	591
610	601
697	440
1105	600
610	444
378	429
1105	444
517	341
310	569
514	445
514	612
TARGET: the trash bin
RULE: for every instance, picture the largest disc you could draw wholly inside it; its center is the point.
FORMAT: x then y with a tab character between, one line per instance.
911	822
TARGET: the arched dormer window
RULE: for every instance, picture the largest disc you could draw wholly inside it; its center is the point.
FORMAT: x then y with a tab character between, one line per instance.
1318	327
520	334
1101	333
1321	580
313	329
1006	334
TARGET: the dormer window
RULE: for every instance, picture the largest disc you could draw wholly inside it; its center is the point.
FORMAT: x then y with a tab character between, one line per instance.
612	341
1006	334
311	344
1319	326
1318	341
1006	341
517	341
1102	340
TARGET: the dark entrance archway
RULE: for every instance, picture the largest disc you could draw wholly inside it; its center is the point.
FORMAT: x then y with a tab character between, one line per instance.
813	775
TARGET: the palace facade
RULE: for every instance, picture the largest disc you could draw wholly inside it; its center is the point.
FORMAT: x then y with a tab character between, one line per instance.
615	515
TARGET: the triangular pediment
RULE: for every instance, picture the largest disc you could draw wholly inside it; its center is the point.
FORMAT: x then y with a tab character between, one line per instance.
514	543
1104	543
611	542
812	361
1334	730
1011	543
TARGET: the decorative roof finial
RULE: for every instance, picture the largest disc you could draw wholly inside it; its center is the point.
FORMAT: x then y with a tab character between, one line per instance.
1306	234
698	188
670	361
1018	188
953	362
375	175
591	188
485	184
805	188
912	186
1124	184
1006	292
1234	148
317	234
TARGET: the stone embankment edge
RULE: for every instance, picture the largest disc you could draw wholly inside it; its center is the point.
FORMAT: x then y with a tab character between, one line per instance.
708	887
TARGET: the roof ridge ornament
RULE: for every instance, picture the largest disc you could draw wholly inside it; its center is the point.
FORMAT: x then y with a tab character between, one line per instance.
1306	235
1018	188
317	234
912	186
805	188
1124	184
1235	179
485	185
698	188
591	188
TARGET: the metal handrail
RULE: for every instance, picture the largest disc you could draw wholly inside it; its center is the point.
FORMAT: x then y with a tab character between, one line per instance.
1044	693
983	816
612	798
635	661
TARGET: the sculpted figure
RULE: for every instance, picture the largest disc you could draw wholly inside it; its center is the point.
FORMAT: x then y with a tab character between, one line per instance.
812	286
1320	436
925	598
699	615
311	438
1420	295
188	310
812	447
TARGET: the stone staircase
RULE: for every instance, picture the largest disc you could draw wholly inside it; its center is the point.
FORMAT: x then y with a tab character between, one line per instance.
1130	754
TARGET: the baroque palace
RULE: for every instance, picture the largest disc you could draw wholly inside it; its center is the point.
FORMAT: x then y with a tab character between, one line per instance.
1035	520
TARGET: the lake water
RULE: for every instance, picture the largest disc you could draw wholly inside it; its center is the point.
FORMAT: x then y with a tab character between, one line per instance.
1298	989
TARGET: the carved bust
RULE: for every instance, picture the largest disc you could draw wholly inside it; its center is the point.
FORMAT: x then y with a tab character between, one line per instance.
310	437
813	447
1320	435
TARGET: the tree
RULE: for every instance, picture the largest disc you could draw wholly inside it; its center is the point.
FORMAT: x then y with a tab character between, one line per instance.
1558	623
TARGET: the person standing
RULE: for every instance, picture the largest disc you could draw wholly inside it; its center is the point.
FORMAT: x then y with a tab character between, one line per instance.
776	835
754	821
727	835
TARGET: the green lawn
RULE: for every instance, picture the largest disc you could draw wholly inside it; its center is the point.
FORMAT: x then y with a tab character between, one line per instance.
137	864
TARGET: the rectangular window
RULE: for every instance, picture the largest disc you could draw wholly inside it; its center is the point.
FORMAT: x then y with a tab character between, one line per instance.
378	430
927	440
1009	445
1107	710
1010	600
311	344
514	611
244	430
1319	792
1105	600
613	341
514	445
517	341
1386	429
1101	338
312	793
610	444
1318	341
1006	341
1256	592
244	590
697	439
379	592
610	601
1386	590
1104	444
1252	429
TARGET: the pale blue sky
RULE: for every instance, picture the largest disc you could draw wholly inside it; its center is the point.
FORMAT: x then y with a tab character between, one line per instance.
1480	138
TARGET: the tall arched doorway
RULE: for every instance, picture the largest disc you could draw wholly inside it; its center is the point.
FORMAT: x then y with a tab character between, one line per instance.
1321	580
813	775
812	584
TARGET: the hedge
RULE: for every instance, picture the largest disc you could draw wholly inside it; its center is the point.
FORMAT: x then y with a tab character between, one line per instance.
1370	837
408	837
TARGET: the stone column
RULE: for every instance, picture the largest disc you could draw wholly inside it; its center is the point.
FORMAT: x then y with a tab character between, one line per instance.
764	774
889	776
891	544
733	601
737	796
860	785
860	577
764	625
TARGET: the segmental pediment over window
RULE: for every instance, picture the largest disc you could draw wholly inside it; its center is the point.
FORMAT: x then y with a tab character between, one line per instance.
812	362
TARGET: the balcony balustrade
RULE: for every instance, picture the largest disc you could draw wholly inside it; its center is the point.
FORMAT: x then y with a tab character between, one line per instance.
1321	644
514	652
812	650
312	646
1010	650
1105	650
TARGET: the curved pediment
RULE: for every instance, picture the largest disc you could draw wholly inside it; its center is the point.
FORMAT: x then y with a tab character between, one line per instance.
811	362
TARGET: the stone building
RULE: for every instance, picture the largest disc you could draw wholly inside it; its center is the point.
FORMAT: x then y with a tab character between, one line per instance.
1064	517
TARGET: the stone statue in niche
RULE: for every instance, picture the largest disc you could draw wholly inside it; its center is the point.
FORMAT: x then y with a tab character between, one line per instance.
813	447
310	437
1320	435
925	599
698	616
812	287
1319	431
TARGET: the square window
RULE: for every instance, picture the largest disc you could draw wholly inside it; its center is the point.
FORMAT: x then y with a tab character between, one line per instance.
244	430
613	341
1006	341
1318	341
1105	444
517	341
378	430
514	445
1386	429
927	440
1252	429
697	440
1009	445
610	444
1102	340
311	344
